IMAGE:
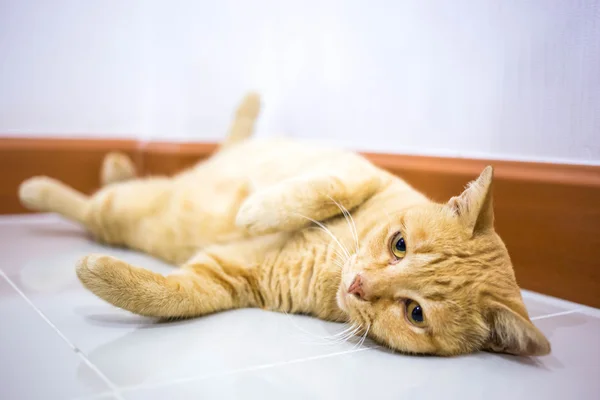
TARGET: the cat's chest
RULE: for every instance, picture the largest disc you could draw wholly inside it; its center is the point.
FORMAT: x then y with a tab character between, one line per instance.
303	276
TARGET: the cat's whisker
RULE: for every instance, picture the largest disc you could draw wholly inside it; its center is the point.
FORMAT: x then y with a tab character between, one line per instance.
323	340
341	257
360	327
339	262
345	334
325	229
345	331
349	335
364	337
339	265
340	340
349	221
353	225
336	338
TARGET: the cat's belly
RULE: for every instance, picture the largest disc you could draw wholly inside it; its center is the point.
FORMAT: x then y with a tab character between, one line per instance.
199	214
169	219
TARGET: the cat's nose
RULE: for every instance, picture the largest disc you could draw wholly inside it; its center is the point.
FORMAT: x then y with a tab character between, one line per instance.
356	287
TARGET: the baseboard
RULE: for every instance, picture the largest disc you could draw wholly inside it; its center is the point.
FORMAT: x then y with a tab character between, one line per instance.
548	214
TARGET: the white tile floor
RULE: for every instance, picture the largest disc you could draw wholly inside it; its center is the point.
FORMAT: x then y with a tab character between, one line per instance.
58	341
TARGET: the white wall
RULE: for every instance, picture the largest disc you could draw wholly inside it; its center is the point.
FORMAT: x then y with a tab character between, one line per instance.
516	79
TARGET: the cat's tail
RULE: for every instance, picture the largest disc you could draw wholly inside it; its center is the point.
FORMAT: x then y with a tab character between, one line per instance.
117	167
41	193
242	126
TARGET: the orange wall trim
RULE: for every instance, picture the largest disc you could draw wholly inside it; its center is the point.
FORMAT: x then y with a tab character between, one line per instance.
548	214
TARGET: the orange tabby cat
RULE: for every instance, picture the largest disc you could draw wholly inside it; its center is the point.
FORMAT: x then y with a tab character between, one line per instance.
415	275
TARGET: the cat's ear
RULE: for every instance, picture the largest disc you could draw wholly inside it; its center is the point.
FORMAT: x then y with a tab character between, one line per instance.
512	333
474	206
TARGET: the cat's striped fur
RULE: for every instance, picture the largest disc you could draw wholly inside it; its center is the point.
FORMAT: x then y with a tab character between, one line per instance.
265	224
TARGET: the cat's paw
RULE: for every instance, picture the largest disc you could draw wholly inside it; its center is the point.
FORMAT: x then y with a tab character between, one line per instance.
285	207
258	215
33	192
91	269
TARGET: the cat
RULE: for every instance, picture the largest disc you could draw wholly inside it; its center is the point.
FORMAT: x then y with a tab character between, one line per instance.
286	227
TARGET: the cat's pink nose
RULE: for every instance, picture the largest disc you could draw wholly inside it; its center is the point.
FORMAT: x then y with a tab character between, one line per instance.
356	288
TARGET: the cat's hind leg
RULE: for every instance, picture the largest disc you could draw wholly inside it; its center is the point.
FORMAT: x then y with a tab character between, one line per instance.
46	194
42	193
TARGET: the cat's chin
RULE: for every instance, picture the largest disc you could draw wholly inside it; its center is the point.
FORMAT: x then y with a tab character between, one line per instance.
341	298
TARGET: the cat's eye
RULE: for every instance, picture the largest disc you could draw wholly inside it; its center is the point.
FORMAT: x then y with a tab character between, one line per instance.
398	246
414	313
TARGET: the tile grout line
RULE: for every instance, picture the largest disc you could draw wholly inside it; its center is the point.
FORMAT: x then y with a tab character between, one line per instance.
557	314
116	391
108	382
101	395
241	370
290	362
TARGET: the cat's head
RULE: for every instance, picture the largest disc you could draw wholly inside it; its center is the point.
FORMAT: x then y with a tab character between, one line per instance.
437	279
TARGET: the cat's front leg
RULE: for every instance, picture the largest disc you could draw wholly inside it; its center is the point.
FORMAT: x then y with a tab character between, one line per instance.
314	196
219	278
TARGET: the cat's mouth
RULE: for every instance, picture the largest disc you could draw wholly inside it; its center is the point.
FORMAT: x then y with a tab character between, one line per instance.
347	280
341	300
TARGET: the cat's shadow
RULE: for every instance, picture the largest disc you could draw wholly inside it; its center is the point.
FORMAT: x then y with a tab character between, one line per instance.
66	232
153	349
95	315
119	321
532	362
149	348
